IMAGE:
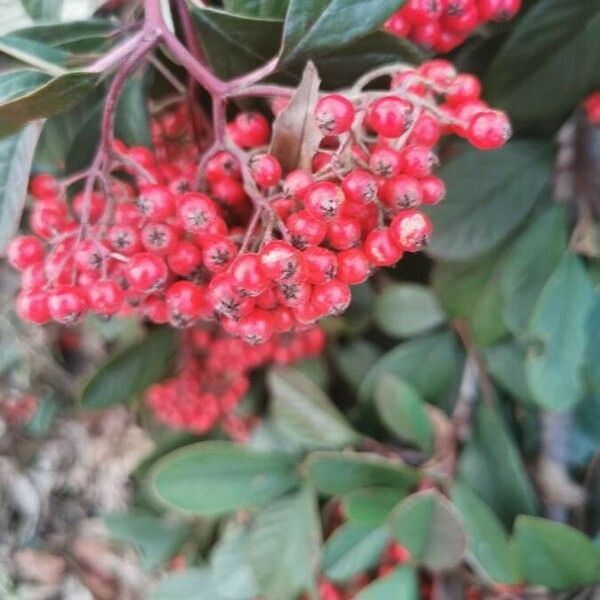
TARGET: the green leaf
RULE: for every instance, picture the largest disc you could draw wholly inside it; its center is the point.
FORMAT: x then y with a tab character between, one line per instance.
304	413
539	74
312	27
19	82
156	539
429	526
529	264
232	573
555	555
400	584
592	351
215	478
488	540
132	121
371	506
234	44
403	412
559	320
412	361
16	156
192	584
353	549
284	546
506	364
53	97
355	359
267	9
342	472
127	374
471	291
61	10
34	53
491	466
407	309
489	196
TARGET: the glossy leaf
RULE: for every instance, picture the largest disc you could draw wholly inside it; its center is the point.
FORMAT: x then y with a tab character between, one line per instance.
558	321
355	359
400	584
429	526
132	120
407	309
19	82
34	53
127	374
267	9
371	506
217	477
489	196
506	364
403	412
16	156
342	472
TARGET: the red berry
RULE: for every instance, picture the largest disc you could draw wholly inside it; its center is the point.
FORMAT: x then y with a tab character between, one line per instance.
353	266
498	10
256	328
401	192
226	299
321	265
106	297
489	130
592	107
247	275
324	200
380	248
217	253
283	319
418	160
385	161
388	116
334	114
265	170
433	189
397	25
124	239
427	35
249	130
94	206
419	12
464	87
44	186
426	131
332	298
306	230
68	304
359	186
90	256
343	233
33	277
281	262
155	203
159	238
410	229
184	301
196	212
24	251
32	306
460	16
46	222
440	71
222	165
296	184
146	272
155	310
293	293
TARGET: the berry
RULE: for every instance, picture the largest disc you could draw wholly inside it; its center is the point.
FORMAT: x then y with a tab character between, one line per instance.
353	266
217	253
332	298
420	12
592	107
498	10
155	203
433	189
44	186
159	238
32	306
398	24
91	206
105	297
146	272
247	275
222	165
410	229
359	186
385	161
24	251
306	230
184	301
334	114
380	249
249	130
489	130
324	200
388	116
256	328
296	184
401	192
68	304
464	87
343	233
321	265
281	262
265	169
196	212
418	160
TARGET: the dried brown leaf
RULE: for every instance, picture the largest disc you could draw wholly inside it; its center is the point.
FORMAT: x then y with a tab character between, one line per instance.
295	133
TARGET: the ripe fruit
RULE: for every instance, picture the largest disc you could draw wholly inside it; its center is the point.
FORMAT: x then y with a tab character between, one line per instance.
25	251
489	130
334	114
410	229
146	272
105	297
388	116
324	200
68	304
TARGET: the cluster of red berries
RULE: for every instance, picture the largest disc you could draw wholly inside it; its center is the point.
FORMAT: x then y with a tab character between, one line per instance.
442	25
592	108
214	375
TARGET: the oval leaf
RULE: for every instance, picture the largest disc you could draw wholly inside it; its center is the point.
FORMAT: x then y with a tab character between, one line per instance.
401	584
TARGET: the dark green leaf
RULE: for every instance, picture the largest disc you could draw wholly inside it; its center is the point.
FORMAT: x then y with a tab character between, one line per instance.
352	549
400	584
127	374
489	196
192	584
156	539
488	540
53	97
17	83
371	506
284	546
529	264
132	121
584	437
412	361
83	147
592	351
355	359
539	75
407	309
555	555
313	27
304	412
16	156
430	528
506	364
490	464
33	52
403	412
559	320
266	9
342	472
218	477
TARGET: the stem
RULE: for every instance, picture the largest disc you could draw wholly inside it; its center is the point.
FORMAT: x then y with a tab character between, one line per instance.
189	35
257	91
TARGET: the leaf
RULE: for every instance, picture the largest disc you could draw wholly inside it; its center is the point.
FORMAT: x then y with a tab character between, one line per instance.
529	264
412	361
471	291
539	74
559	320
555	555
355	359
53	97
489	196
407	309
132	121
215	478
269	9
592	350
61	10
18	82
506	364
127	374
491	466
403	412
342	472
488	540
400	584
235	44
16	156
156	539
584	437
296	135
371	506
192	584
313	27
430	528
35	53
232	573
304	413
353	549
284	546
